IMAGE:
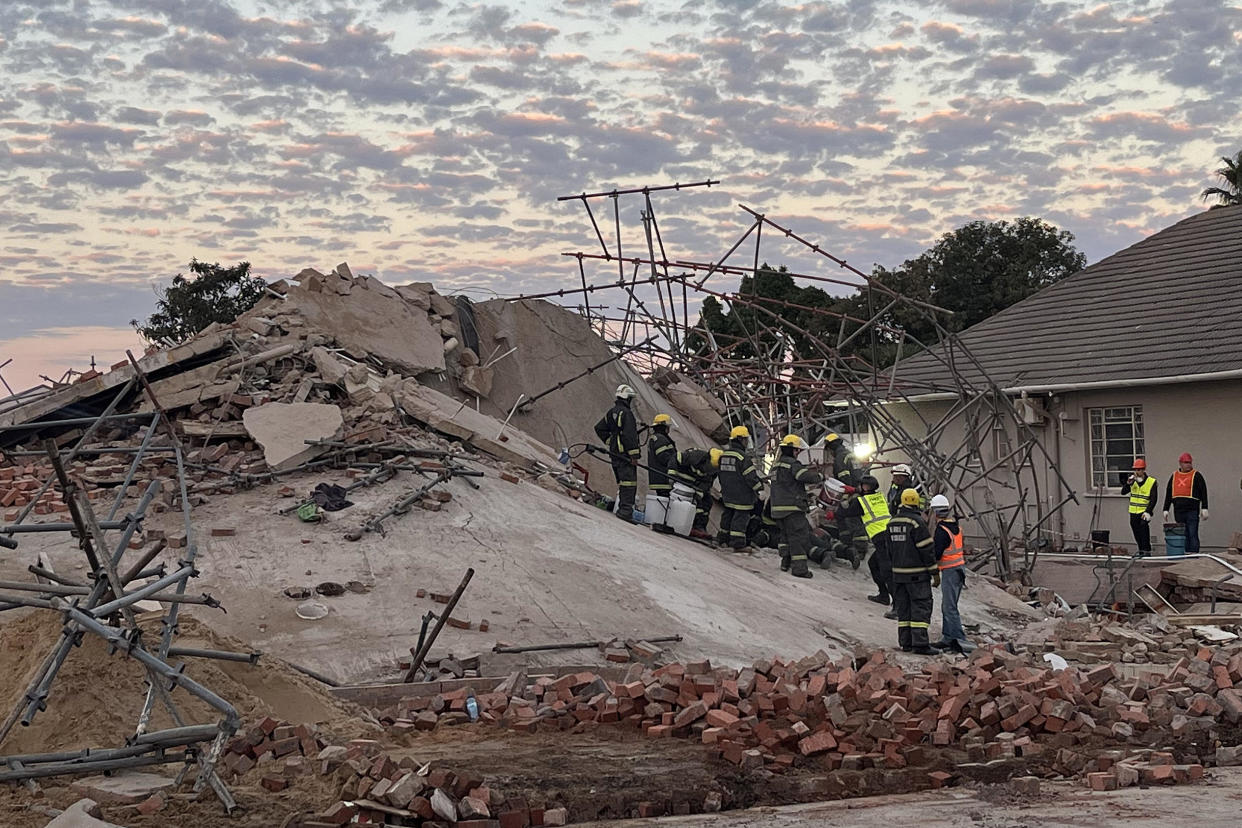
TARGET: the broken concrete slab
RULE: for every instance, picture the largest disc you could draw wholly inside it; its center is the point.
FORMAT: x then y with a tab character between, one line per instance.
282	429
488	434
370	321
692	401
82	814
123	788
475	379
329	367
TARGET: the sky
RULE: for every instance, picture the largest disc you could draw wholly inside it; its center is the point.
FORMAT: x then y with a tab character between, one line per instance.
428	140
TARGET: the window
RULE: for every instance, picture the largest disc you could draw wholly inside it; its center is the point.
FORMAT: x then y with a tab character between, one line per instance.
1116	440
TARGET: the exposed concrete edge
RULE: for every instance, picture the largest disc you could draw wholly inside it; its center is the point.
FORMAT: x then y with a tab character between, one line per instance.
382	695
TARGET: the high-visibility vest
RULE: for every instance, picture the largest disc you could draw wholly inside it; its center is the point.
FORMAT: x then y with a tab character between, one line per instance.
955	555
877	516
1184	484
1140	495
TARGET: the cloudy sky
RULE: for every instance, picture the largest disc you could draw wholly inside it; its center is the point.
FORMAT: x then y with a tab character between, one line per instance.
428	140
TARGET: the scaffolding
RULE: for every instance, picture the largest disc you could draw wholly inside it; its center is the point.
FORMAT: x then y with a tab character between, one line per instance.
104	604
795	367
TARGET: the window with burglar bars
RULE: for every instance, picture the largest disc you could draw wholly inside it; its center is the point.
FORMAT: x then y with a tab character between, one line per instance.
1116	440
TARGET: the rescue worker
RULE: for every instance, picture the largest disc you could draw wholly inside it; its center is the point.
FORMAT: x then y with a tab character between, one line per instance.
903	479
1186	492
618	431
660	452
696	468
788	504
850	534
871	508
740	487
915	571
951	555
1143	492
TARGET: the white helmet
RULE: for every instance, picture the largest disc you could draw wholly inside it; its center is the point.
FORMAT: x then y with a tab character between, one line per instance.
625	392
901	468
940	504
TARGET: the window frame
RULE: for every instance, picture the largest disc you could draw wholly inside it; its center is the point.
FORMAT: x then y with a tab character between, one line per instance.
1105	416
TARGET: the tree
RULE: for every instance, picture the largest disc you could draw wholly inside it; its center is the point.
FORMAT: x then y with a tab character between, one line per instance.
188	305
1232	175
975	271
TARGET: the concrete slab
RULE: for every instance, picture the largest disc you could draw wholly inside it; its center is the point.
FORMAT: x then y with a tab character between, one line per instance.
123	788
282	429
81	814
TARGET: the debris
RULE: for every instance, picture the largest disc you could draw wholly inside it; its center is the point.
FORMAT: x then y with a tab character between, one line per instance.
282	429
311	611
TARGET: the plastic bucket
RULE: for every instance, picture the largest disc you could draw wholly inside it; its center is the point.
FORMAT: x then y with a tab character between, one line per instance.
680	517
656	509
682	492
1175	541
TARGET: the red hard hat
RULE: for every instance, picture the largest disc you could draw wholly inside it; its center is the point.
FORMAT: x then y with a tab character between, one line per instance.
1185	458
1140	463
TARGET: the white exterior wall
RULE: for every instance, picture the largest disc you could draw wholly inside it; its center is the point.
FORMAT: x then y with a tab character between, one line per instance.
1201	418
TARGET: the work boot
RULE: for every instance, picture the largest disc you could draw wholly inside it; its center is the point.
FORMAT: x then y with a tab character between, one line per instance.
741	550
927	650
699	534
855	559
879	599
891	615
806	573
784	565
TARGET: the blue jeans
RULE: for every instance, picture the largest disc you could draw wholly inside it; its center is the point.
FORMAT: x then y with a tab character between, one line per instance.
1191	520
951	583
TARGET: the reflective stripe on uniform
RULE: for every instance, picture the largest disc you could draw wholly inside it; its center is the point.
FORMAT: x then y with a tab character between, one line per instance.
739	507
912	570
628	483
919	624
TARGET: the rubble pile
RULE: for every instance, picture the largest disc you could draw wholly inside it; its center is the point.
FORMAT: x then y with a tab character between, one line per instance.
868	712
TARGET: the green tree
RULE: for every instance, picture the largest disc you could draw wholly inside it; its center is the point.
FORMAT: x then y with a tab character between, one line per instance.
212	294
974	271
1231	174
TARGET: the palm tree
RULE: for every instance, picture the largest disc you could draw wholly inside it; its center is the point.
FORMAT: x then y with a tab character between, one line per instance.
1232	175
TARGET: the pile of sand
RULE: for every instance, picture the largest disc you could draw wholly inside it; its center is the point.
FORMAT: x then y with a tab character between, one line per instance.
96	697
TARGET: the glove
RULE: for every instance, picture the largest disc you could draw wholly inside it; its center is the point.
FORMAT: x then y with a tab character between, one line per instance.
850	490
936	578
830	515
1146	517
1205	514
1166	516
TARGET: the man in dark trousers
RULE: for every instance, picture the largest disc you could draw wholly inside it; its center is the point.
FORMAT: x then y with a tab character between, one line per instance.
1144	493
696	468
850	532
740	487
660	452
915	572
618	431
871	507
1186	492
788	505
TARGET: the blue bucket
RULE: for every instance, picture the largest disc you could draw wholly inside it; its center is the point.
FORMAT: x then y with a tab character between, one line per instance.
1175	541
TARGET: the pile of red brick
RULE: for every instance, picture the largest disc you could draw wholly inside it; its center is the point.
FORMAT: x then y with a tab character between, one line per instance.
859	714
373	787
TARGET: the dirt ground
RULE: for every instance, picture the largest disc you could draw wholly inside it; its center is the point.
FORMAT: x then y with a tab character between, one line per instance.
548	569
1211	805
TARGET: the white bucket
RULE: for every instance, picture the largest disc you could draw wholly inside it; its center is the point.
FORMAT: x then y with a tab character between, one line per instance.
680	516
683	492
657	509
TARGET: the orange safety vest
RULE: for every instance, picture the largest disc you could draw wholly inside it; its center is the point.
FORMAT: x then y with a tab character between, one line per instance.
955	555
1184	484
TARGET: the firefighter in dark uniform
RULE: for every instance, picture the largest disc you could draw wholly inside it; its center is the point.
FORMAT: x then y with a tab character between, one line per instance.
915	571
740	487
660	452
788	504
850	533
696	468
618	430
903	478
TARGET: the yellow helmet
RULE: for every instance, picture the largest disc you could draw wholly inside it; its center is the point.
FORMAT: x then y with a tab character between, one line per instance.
792	440
831	437
716	454
739	431
661	419
910	497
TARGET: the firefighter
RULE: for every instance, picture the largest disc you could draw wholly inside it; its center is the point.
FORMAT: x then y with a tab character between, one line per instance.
660	452
739	490
618	431
788	504
850	533
903	478
696	468
915	572
871	508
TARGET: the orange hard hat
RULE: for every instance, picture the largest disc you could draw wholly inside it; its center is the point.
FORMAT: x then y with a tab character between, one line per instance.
1140	463
1185	458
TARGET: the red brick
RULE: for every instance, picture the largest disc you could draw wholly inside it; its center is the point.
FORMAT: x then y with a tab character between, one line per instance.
1231	701
821	742
151	804
939	778
1102	781
720	718
274	783
508	478
690	715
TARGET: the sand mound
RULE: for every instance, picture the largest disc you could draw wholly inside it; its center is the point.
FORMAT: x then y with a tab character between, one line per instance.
96	698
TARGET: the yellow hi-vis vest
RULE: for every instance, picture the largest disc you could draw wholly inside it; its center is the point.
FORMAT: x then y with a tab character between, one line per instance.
1140	495
877	515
